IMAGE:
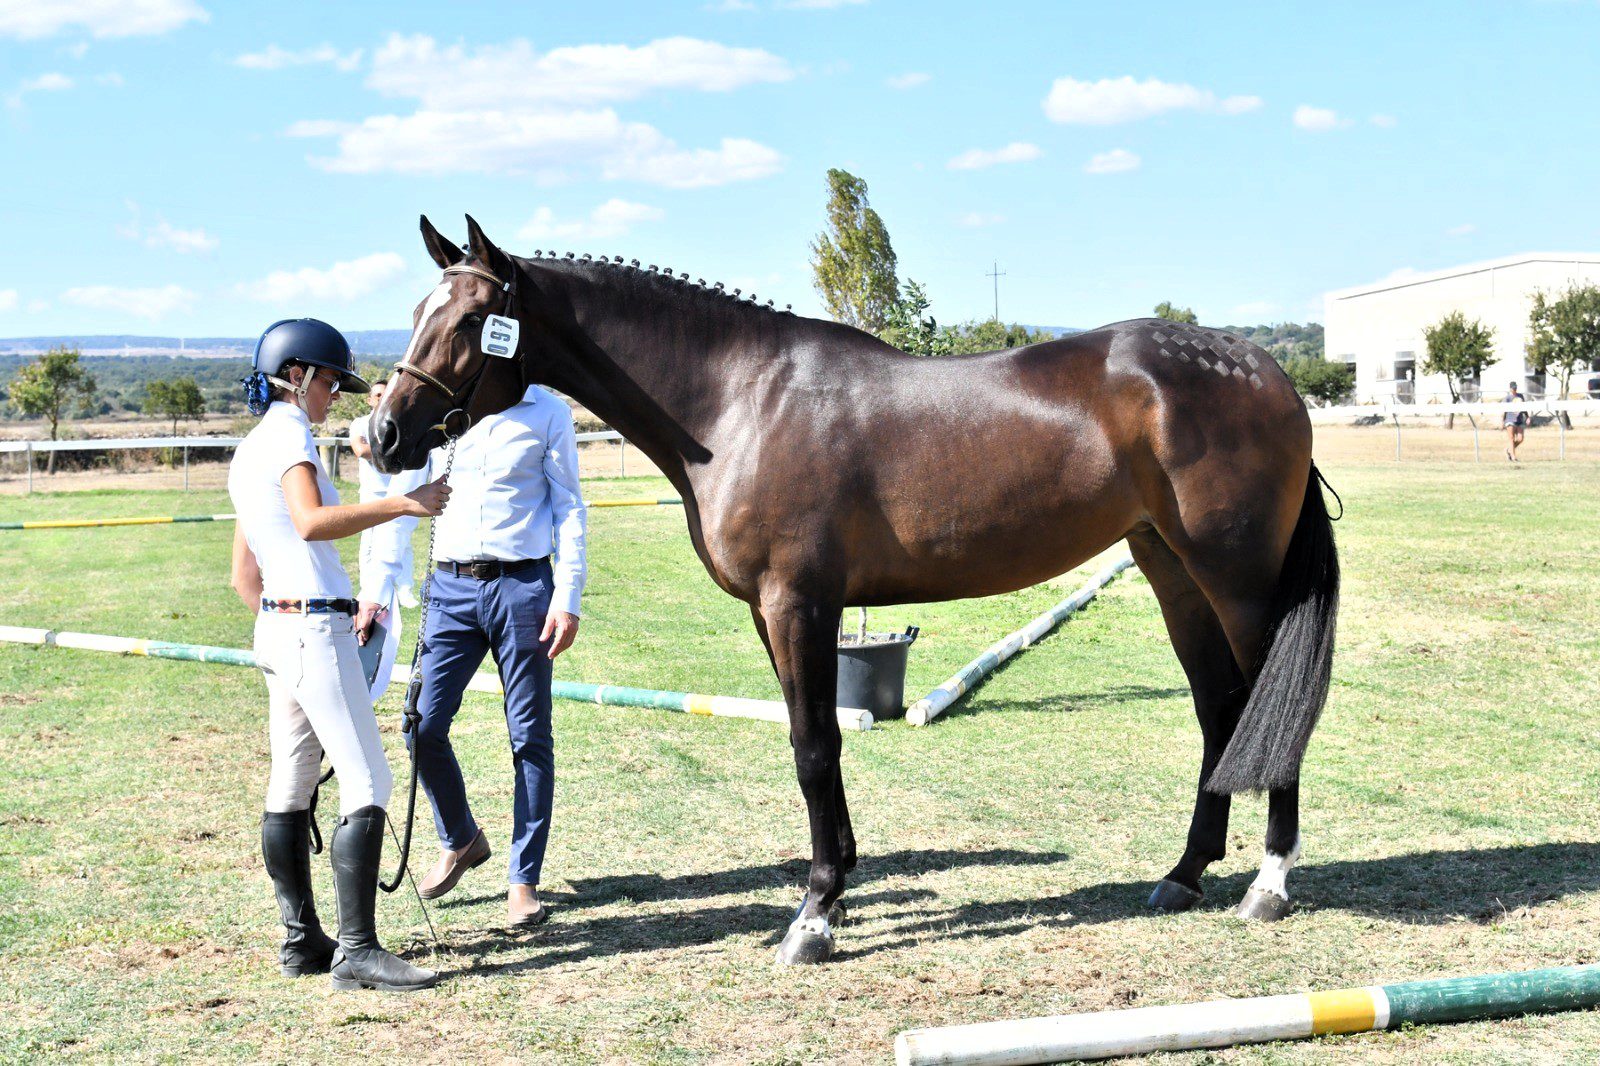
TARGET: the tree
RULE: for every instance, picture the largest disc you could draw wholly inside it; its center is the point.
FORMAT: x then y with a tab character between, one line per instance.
1565	334
907	328
174	398
1166	310
853	262
1319	379
1459	350
47	386
991	335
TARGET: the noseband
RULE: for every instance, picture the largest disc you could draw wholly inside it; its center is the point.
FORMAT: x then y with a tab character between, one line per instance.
461	399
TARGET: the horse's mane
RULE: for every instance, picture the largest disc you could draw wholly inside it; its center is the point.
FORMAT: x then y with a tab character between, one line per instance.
658	281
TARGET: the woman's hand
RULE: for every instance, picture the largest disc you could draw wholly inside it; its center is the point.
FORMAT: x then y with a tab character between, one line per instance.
367	614
427	501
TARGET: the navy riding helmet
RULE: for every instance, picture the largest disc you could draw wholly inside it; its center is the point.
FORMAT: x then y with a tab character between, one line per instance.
308	341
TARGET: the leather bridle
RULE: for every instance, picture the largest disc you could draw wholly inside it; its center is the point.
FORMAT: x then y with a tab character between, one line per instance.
461	399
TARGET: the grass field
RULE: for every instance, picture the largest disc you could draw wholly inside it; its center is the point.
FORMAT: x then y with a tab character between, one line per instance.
1451	799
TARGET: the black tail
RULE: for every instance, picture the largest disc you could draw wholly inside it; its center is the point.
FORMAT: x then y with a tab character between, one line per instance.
1296	660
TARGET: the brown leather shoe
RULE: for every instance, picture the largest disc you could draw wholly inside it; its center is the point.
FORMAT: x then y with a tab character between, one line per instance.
451	865
520	915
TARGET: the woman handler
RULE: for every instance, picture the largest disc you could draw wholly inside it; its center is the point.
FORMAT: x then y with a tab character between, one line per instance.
308	628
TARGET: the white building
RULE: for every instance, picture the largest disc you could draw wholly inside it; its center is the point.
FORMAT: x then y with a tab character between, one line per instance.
1377	329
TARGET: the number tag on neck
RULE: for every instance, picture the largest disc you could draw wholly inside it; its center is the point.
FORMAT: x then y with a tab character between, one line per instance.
500	336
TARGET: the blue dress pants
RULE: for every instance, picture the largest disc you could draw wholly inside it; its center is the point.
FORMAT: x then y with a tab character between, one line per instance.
467	618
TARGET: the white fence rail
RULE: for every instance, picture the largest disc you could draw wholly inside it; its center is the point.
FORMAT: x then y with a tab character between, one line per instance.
29	448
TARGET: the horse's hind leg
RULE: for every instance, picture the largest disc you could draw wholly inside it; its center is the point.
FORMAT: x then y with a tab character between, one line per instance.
1219	694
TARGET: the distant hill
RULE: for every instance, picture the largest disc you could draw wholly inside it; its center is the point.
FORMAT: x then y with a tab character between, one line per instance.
362	342
1058	331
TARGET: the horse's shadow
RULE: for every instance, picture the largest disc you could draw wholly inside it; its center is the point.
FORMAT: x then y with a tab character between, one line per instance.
1433	887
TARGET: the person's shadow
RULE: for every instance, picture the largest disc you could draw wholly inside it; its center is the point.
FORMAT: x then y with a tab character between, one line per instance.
1480	885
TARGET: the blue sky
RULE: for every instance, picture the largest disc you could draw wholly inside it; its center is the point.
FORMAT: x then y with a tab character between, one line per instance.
195	167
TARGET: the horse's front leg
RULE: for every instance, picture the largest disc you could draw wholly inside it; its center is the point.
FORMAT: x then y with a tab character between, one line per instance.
801	632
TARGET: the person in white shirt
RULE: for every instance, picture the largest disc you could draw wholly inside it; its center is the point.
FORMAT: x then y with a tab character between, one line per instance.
510	568
387	568
308	632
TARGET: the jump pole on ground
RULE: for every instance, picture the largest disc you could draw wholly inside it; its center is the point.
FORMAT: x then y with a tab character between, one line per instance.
851	719
972	675
85	523
1226	1022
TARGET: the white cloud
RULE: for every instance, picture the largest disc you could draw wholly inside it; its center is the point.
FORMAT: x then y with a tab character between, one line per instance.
1400	274
44	83
512	75
1387	122
546	144
978	158
1116	161
1461	230
149	303
736	159
508	109
342	282
1256	309
978	219
30	19
8	300
37	305
817	5
77	50
731	5
165	235
1318	119
274	58
911	79
1112	100
109	78
611	219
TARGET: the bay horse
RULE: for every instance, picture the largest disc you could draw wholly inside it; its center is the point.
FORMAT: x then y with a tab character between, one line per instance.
821	468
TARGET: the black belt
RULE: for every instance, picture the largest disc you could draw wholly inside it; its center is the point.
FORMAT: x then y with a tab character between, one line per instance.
316	605
486	569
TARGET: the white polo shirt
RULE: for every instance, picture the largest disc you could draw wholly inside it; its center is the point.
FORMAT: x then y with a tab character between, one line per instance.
514	494
291	567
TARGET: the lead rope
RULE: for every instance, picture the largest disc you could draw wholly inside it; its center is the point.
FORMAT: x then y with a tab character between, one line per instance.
411	716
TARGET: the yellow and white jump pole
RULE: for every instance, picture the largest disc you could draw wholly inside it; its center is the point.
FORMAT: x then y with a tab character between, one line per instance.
86	523
851	719
641	501
1226	1022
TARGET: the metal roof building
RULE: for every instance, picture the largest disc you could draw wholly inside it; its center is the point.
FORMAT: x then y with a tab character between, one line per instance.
1377	329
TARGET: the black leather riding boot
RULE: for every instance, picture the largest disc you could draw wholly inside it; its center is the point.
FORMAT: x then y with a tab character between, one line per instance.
286	848
361	962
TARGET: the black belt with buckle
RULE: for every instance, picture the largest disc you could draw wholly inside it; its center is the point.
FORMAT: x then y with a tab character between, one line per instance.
486	569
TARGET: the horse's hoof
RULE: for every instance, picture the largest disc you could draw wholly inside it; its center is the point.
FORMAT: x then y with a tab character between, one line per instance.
808	941
1259	906
1172	897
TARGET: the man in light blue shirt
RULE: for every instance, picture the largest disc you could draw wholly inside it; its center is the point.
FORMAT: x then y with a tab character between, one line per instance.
509	559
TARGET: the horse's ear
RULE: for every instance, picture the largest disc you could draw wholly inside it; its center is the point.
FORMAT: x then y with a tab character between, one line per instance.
485	251
443	252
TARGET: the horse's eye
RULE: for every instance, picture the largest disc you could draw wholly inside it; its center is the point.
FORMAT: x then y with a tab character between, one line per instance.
472	320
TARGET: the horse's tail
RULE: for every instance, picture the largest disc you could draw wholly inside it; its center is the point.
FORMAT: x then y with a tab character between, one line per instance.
1296	660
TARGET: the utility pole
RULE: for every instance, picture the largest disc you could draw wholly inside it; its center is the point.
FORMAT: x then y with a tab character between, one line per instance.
996	273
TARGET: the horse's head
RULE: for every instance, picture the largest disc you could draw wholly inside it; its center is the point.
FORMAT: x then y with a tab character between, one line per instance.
463	361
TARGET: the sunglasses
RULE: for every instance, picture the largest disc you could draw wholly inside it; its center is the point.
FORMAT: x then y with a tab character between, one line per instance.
333	383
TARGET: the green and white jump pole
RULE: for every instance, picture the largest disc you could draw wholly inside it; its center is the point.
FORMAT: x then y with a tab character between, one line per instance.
1224	1023
851	719
973	674
86	523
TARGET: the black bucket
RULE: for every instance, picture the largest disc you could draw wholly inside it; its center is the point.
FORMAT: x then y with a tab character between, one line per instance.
872	672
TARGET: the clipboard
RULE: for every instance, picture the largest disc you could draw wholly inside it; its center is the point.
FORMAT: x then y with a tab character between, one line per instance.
372	651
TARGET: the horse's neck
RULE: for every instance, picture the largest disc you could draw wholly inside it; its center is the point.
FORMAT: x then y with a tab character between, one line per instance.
652	368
